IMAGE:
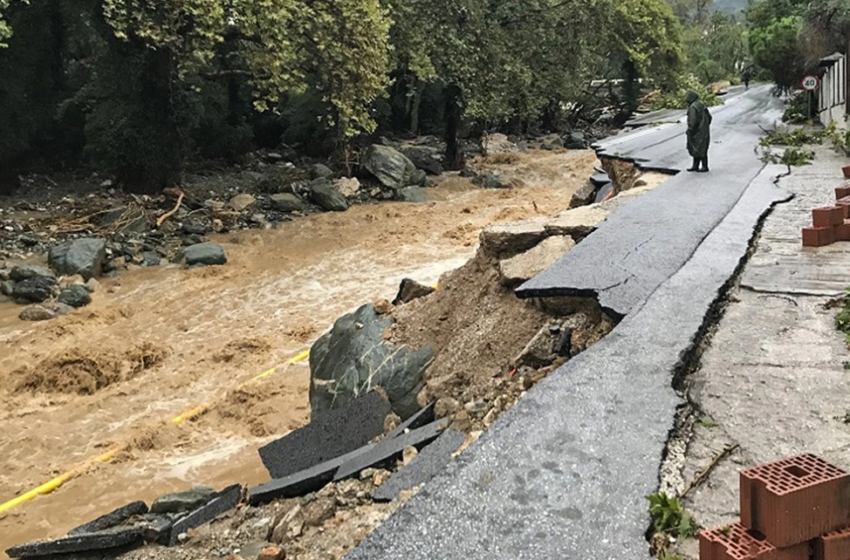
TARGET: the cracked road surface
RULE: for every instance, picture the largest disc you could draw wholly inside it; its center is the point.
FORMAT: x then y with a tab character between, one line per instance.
564	473
643	244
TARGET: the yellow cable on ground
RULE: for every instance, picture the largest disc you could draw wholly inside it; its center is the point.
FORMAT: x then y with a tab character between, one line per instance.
55	483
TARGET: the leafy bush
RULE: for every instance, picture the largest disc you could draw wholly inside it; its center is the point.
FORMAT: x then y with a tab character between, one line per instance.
676	98
669	516
792	157
796	138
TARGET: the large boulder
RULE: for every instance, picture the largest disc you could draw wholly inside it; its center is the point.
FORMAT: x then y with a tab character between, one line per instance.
325	196
204	254
35	290
425	158
392	168
79	256
75	295
355	358
287	202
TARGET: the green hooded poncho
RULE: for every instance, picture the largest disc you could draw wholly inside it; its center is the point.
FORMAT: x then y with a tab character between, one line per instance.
699	124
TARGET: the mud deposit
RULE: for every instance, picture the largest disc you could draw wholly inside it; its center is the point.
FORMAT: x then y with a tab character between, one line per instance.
157	342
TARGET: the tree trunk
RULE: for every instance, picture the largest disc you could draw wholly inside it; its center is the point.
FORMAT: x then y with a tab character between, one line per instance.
416	102
454	157
631	87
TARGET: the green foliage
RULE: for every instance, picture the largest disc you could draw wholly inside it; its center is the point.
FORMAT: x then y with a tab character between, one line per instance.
796	138
675	99
840	139
792	157
669	516
775	47
798	109
842	320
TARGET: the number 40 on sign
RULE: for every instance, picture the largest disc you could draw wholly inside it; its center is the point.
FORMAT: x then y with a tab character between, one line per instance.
810	83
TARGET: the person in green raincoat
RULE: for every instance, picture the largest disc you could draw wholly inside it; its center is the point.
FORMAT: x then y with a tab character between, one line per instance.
699	132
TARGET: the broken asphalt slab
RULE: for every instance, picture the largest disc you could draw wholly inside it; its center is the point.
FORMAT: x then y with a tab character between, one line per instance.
388	451
421	418
111	519
220	503
644	243
430	462
563	474
89	542
329	435
301	483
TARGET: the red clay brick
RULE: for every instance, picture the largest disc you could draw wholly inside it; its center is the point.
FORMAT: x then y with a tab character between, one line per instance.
845	204
846	170
818	237
828	217
735	542
832	546
795	500
842	191
842	233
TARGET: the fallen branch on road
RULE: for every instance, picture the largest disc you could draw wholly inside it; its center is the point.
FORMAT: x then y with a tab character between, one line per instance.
702	475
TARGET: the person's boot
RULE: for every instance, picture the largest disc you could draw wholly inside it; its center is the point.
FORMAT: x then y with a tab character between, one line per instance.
704	167
695	166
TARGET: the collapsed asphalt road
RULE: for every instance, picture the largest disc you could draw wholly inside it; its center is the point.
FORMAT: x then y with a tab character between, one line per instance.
564	473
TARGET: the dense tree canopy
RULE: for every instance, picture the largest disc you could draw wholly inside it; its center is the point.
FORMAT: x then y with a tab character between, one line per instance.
134	86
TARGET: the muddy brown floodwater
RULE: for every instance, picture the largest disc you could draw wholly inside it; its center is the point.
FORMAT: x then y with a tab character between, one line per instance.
156	342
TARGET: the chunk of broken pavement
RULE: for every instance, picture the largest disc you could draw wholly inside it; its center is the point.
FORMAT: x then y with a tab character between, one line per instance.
410	290
577	222
204	254
519	268
179	502
506	240
220	502
111	519
89	542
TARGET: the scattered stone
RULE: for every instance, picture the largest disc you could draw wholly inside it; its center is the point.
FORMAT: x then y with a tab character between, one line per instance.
576	141
242	201
325	196
204	254
220	503
35	290
274	157
493	181
195	227
44	312
216	206
111	519
540	350
288	527
317	511
584	196
410	290
409	454
383	307
321	171
522	267
287	202
27	271
328	436
76	296
475	407
218	226
391	422
348	187
103	540
412	194
446	407
66	281
354	357
79	256
490	417
7	288
462	421
388	451
271	552
392	168
422	468
180	502
156	528
150	258
553	142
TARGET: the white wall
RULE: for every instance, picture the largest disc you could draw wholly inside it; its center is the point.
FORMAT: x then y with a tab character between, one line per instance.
833	95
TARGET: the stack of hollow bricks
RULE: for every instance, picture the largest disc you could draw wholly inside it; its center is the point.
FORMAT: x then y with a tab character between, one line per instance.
830	224
793	509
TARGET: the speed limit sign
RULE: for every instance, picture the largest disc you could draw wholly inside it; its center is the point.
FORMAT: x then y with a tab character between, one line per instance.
811	83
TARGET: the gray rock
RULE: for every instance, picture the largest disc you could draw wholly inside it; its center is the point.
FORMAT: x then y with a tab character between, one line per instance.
44	311
412	194
576	141
36	289
241	201
92	285
492	181
151	258
321	171
76	296
80	256
584	195
287	202
196	227
410	290
325	196
27	271
204	254
392	168
7	288
111	519
103	540
419	178
354	358
540	351
180	502
425	158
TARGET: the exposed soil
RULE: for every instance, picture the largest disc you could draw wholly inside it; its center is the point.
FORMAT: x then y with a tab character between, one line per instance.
216	328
